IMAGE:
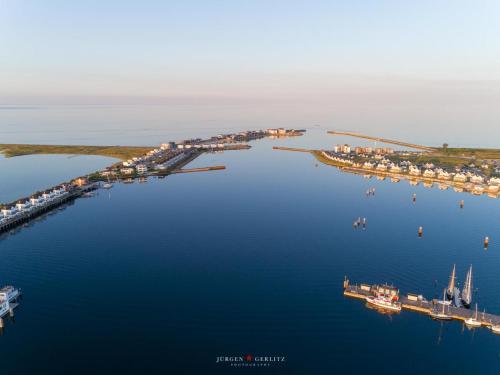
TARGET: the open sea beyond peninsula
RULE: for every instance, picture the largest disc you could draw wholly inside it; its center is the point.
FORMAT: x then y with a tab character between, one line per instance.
169	275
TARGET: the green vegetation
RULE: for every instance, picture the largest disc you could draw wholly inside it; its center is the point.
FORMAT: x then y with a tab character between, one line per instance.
118	152
472	153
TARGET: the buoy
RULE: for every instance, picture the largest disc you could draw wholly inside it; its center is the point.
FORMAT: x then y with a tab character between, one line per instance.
461	204
414	197
486	242
420	231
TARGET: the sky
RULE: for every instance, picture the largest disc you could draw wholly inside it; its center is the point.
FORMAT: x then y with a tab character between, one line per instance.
384	55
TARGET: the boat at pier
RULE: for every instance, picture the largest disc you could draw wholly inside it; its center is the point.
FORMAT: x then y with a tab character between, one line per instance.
473	322
452	292
386	297
440	314
467	290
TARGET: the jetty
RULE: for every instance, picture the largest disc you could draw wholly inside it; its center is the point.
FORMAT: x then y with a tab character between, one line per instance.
202	169
418	303
383	140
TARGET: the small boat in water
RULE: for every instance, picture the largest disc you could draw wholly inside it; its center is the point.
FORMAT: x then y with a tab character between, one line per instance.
107	185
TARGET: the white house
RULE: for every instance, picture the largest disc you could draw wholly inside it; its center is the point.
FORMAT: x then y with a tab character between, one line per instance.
429	173
460	177
495	181
415	171
141	168
477	179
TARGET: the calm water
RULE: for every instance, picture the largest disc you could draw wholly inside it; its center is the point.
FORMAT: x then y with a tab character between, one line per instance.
163	277
23	175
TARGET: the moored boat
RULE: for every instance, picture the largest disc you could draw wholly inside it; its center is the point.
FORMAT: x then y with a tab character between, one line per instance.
384	303
473	322
467	290
440	314
386	297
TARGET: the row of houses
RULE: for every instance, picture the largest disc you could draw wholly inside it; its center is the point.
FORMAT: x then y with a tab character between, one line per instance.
347	149
342	154
31	204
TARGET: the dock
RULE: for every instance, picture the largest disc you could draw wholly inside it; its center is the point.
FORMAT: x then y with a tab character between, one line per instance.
417	303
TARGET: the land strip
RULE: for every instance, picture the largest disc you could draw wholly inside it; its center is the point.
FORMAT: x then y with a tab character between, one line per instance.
118	152
384	140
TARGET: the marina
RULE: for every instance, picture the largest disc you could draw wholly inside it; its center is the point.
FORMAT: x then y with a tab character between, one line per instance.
436	309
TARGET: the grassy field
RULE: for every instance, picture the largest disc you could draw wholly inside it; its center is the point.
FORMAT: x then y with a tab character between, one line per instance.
118	152
477	153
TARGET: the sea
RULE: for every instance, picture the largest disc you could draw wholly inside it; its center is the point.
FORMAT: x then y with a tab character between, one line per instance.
238	270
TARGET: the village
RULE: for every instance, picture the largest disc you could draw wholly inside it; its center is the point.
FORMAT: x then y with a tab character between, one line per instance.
161	161
387	162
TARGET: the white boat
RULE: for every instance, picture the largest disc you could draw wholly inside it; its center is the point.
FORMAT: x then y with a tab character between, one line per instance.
384	302
473	322
107	185
495	329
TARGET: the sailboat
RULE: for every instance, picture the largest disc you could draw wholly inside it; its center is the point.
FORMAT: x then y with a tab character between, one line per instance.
107	185
473	321
441	315
467	290
451	286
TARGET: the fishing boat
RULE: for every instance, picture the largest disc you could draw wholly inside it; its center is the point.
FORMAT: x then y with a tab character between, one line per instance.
440	314
467	290
473	322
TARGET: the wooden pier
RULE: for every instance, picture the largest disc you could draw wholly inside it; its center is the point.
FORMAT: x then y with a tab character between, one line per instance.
418	303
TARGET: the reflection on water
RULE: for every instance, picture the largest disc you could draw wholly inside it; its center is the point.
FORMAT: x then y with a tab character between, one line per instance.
168	275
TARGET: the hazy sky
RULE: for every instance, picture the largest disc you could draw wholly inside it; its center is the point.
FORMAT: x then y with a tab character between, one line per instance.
366	52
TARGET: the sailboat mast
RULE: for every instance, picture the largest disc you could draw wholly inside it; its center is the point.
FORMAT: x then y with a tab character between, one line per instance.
444	294
451	285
